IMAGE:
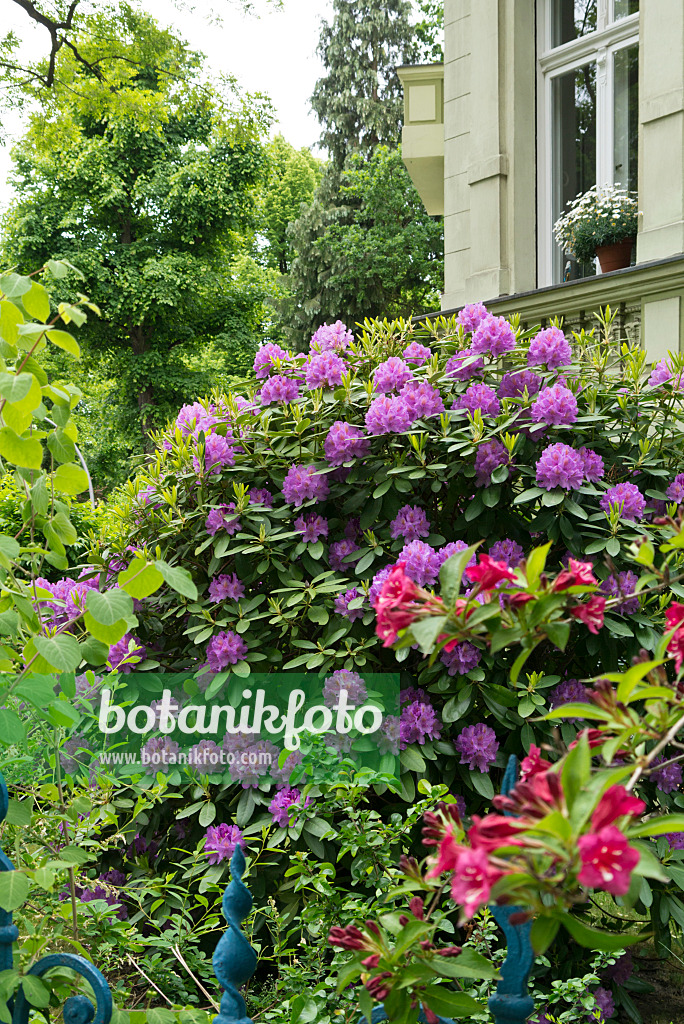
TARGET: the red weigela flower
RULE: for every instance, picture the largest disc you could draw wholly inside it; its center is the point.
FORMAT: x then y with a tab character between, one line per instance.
473	879
607	861
489	572
591	613
615	803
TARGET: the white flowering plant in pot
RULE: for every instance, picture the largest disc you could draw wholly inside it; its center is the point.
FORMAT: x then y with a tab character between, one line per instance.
604	215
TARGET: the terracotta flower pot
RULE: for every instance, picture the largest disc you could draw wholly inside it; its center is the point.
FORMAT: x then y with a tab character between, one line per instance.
616	256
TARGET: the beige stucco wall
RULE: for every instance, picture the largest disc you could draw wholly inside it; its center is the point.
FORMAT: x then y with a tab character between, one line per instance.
489	149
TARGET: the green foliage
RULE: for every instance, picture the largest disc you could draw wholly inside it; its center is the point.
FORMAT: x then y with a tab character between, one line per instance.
359	100
151	201
292	179
364	247
430	31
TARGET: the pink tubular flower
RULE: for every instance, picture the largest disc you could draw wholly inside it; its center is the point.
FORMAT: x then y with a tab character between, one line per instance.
490	572
674	617
325	370
549	347
555	405
493	334
388	415
416	353
533	764
607	861
578	574
391	375
473	880
422	400
615	803
591	613
193	418
304	483
345	442
394	607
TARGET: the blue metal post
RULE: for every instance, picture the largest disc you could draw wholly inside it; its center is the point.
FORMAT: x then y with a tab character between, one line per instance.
234	959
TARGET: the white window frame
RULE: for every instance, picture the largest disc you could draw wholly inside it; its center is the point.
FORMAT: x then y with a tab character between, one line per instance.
599	46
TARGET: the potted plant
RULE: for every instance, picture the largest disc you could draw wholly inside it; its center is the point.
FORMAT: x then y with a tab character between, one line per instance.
601	222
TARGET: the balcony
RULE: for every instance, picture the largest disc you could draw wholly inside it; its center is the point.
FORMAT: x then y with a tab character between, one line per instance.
422	137
647	297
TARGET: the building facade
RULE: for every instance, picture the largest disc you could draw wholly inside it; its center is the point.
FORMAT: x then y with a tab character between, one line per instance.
538	100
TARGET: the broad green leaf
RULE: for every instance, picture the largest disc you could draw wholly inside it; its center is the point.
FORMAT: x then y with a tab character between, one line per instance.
576	770
109	607
13	286
36	991
40	499
12	733
10	318
178	579
70	478
140	579
20	451
446	1003
66	341
594	938
14	888
9	547
94	651
61	446
425	631
36	302
16	419
39	690
62	652
543	932
207	814
658	826
64	528
19	812
468	964
558	633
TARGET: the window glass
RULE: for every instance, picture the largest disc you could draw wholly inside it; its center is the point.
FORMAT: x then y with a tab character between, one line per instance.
571	19
626	116
623	8
574	151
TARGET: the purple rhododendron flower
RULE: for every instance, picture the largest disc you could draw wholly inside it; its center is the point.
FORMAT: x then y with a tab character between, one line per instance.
388	735
388	415
311	527
119	651
622	970
489	456
376	585
422	400
478	746
479	396
471	316
218	452
218	520
604	1001
555	405
410	523
464	657
220	842
464	365
675	491
261	496
508	551
338	555
224	588
622	587
549	347
342	602
304	483
593	465
452	548
667	779
224	649
205	755
676	840
422	562
279	389
345	442
325	370
340	680
418	723
332	336
193	418
571	691
661	373
560	466
286	805
493	334
160	754
263	361
628	498
409	694
513	384
391	375
417	353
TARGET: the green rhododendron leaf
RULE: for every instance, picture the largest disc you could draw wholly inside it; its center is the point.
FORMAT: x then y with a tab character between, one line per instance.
594	938
179	579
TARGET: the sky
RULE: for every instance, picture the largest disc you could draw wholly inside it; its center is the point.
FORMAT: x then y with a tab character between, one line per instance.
274	53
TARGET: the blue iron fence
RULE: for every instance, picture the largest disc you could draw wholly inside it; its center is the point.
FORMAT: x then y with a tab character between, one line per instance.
235	961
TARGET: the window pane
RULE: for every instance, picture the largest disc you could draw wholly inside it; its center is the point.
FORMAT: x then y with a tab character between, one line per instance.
571	19
574	152
623	8
626	115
